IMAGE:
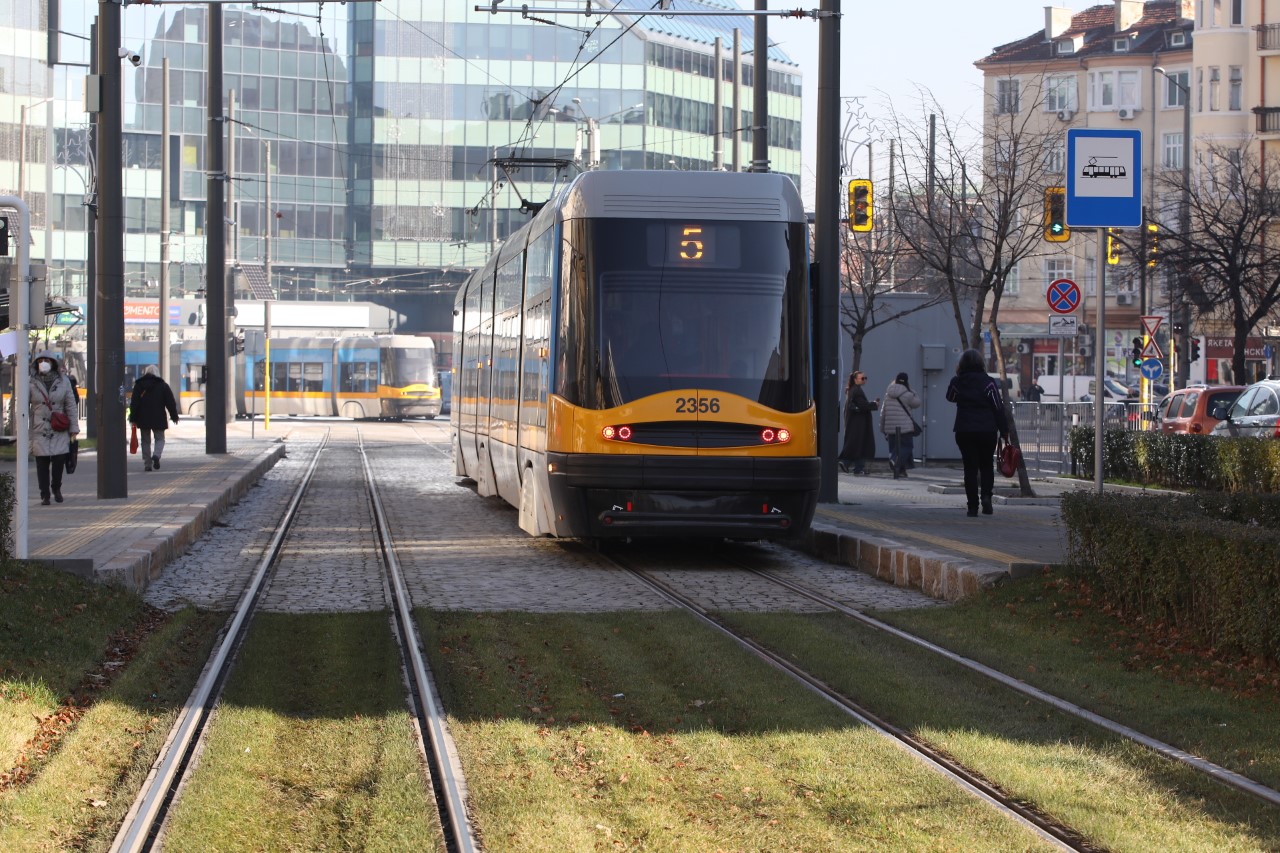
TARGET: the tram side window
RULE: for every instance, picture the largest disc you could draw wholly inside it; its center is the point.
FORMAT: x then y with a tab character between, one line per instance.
360	377
313	376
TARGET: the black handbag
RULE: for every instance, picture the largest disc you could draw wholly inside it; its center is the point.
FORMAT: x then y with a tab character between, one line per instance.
72	453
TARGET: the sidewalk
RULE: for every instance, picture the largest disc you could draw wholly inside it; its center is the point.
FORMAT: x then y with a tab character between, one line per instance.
129	540
915	531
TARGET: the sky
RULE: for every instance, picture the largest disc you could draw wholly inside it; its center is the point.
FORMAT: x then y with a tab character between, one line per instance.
890	50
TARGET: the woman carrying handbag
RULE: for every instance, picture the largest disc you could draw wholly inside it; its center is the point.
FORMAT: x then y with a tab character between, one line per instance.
54	423
980	420
898	425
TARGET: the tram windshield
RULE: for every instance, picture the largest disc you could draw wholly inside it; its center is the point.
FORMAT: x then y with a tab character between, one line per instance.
408	366
711	305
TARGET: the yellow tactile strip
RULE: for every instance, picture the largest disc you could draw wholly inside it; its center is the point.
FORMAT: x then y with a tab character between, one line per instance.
975	551
126	515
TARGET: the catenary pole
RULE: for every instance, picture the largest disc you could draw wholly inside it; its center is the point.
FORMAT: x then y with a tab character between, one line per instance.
215	391
827	224
108	295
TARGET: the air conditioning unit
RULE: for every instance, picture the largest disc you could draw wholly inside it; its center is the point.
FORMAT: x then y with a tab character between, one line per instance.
1126	298
1126	113
1066	115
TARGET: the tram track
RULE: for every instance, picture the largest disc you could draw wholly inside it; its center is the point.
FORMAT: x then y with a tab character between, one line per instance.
1041	824
144	825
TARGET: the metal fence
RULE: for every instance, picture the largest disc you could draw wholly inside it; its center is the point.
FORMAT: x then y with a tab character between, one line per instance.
1044	429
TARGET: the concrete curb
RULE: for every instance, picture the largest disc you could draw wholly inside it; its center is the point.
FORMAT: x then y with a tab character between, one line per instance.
137	566
936	575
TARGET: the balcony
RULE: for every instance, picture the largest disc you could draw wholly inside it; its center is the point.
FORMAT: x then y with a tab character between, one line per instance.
1268	119
1268	37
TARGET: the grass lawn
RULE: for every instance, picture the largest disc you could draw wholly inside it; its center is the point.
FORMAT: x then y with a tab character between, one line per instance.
71	776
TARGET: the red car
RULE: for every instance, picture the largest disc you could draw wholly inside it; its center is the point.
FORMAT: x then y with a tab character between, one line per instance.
1188	409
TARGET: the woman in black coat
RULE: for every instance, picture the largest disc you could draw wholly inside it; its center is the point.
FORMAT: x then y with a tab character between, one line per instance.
151	406
859	437
980	418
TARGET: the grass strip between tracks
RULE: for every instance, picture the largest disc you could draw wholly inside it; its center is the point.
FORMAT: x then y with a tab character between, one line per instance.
312	746
647	731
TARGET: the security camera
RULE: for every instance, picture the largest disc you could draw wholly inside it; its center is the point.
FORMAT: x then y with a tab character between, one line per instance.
125	53
135	59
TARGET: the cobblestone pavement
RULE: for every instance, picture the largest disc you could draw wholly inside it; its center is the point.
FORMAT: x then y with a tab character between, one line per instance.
458	551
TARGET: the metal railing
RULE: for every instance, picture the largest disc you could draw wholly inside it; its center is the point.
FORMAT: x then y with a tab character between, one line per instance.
1045	428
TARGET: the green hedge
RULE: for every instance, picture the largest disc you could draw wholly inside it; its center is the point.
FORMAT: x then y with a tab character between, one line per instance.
1208	564
1180	461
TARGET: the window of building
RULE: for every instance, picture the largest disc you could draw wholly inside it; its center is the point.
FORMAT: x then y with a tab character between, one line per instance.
1215	19
1102	90
1237	13
1176	86
1215	80
1129	93
1007	97
1055	158
1177	40
1060	93
1235	87
1066	46
1171	151
1013	281
1120	45
1199	90
1056	268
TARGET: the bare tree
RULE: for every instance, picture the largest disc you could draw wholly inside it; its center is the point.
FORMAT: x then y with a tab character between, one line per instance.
972	211
1227	265
869	270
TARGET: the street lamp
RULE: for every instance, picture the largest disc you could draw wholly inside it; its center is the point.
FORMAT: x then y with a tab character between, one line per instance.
1184	224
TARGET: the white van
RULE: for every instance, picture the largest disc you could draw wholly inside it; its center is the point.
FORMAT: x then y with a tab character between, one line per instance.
1064	389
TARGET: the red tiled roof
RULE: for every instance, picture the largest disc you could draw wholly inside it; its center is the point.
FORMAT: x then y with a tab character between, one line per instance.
1097	25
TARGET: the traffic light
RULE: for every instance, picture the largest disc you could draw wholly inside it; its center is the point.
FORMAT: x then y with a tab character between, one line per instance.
1195	349
860	209
4	236
1055	215
1113	247
1153	240
1137	352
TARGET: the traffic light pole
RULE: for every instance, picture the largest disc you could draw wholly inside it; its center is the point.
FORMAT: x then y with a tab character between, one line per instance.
1099	359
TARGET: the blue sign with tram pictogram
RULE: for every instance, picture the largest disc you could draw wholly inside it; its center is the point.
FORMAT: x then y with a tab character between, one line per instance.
1063	296
1152	369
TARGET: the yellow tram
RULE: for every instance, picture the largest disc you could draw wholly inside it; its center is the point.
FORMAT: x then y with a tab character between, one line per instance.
636	361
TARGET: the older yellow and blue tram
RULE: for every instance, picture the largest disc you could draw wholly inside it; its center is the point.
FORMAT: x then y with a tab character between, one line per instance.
635	361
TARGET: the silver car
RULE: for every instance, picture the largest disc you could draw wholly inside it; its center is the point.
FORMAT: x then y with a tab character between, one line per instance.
1255	413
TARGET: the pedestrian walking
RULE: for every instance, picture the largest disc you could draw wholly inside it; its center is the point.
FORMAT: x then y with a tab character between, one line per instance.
152	400
980	420
55	421
898	425
859	440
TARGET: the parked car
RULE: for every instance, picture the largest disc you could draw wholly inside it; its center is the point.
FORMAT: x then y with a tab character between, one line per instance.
1190	409
1256	412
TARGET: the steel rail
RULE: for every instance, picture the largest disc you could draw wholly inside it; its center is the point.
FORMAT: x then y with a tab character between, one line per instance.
1214	771
137	832
445	766
1048	830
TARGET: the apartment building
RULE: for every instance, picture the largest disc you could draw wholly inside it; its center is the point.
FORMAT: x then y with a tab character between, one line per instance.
381	120
1127	65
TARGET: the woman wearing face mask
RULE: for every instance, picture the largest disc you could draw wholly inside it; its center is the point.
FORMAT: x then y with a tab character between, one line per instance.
51	392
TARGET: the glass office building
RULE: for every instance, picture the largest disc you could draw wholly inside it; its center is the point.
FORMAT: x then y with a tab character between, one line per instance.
383	122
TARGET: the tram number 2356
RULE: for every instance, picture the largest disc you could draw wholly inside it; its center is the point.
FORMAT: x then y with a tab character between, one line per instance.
697	405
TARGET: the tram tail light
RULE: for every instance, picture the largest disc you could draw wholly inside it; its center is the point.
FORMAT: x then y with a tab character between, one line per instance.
616	433
769	435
